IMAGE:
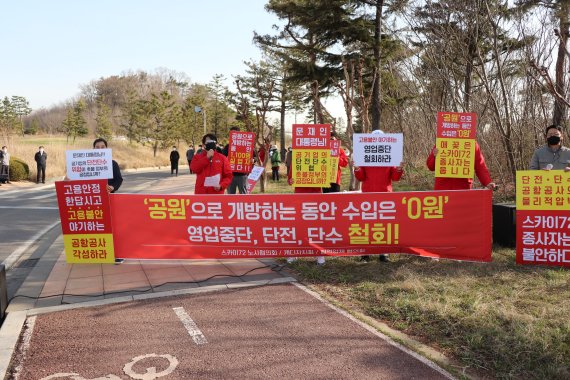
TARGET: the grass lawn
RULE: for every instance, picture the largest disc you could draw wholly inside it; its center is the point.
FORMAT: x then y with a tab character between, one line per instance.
496	320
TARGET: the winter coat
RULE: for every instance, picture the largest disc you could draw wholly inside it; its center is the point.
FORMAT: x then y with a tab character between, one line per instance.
204	167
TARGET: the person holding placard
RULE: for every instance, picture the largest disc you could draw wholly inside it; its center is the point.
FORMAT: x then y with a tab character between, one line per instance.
378	179
552	155
303	190
114	183
342	163
213	170
447	183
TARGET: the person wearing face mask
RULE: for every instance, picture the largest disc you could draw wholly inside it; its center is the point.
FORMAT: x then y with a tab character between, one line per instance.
212	168
174	158
4	165
552	156
41	158
114	183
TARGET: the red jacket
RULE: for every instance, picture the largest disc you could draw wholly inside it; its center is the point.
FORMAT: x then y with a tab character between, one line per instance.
377	178
203	167
461	183
342	163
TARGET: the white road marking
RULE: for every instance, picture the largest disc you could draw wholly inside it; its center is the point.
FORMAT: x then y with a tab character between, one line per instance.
14	256
150	373
44	196
190	325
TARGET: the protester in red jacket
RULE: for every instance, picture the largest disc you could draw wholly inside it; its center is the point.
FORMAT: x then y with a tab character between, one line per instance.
342	163
462	183
378	179
210	163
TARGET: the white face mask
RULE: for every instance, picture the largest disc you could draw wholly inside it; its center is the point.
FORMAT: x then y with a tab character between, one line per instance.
41	151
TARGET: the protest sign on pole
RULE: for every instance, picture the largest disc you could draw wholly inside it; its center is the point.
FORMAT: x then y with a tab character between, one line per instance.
240	152
378	149
455	141
543	217
311	155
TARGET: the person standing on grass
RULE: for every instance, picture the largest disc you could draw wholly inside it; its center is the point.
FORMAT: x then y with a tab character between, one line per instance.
303	190
239	180
213	170
378	179
342	163
41	160
114	183
481	172
174	158
4	165
553	155
275	161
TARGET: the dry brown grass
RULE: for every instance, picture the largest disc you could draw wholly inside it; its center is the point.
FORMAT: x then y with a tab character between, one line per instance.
128	156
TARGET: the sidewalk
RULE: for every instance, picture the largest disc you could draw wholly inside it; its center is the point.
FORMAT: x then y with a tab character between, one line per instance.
53	282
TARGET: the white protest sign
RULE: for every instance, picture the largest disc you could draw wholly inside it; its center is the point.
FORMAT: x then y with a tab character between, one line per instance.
89	164
253	178
378	149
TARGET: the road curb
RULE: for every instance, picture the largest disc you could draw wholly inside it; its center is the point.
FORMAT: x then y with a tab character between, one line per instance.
417	350
15	320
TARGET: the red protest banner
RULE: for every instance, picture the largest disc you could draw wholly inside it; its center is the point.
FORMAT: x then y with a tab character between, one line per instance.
543	237
447	224
85	213
456	125
240	153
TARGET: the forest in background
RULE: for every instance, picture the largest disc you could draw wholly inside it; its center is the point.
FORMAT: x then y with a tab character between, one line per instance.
394	64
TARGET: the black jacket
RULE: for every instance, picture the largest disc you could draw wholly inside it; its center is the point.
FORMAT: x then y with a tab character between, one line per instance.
41	158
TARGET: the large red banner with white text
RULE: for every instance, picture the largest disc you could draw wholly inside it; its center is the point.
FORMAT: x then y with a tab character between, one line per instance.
446	224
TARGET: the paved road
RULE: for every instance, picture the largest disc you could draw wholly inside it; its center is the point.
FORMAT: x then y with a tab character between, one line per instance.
29	217
268	332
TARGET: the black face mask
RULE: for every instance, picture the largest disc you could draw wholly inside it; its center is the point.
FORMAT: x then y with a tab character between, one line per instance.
553	140
210	145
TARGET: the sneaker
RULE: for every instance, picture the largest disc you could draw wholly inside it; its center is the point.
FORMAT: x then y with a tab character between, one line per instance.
320	260
384	259
291	260
119	261
365	258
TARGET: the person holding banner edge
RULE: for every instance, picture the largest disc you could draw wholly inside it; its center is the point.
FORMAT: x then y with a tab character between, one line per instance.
481	172
213	171
378	179
552	155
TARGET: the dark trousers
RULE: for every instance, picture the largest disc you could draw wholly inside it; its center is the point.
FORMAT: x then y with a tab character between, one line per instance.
4	173
42	173
335	188
173	167
275	173
189	162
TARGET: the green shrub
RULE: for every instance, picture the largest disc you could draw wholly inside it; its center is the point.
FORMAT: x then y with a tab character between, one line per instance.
19	170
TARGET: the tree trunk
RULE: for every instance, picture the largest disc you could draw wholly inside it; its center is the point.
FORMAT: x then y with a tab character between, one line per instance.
377	89
282	110
559	114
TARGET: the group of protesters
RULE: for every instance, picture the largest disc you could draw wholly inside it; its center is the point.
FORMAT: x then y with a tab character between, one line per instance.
211	163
